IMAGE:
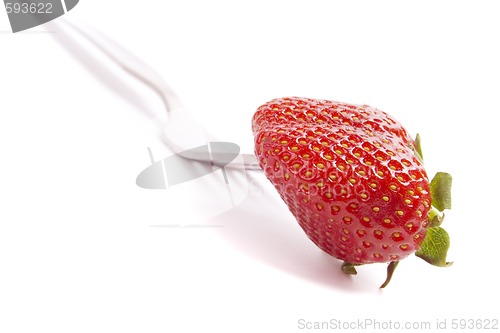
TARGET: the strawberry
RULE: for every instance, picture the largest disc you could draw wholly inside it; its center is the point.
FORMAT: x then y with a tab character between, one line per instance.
354	180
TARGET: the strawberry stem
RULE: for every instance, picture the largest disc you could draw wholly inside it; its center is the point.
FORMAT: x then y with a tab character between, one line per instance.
390	270
435	217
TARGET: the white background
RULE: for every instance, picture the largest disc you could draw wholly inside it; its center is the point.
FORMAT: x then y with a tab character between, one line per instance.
83	249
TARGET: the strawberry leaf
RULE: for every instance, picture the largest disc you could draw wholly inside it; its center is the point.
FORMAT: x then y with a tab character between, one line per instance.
435	247
390	271
349	268
441	191
418	148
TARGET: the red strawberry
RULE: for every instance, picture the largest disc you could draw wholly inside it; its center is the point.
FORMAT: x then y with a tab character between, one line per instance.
353	178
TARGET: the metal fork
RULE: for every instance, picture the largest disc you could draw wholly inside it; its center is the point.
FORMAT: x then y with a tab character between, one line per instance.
175	134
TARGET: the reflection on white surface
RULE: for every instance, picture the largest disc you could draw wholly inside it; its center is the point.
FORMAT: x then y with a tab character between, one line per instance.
201	198
188	165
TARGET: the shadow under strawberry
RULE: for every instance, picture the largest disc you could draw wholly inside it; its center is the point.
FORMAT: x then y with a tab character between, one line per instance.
262	228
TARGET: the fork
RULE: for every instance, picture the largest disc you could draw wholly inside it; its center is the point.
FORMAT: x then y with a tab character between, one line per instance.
175	134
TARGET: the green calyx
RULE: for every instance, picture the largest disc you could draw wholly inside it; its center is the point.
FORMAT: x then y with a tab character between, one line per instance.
349	268
436	243
434	247
441	191
418	148
390	270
